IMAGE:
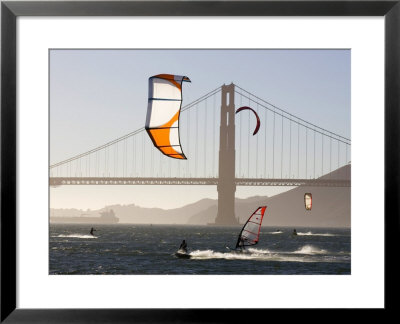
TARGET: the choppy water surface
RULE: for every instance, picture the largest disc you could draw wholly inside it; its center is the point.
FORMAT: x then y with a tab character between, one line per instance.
146	249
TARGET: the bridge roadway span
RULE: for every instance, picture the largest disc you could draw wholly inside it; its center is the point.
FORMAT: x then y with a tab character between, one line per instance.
60	181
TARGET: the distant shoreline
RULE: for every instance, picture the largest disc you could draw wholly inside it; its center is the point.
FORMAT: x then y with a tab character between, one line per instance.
195	225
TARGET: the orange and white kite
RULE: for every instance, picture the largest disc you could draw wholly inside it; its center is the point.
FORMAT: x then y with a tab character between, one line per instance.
162	121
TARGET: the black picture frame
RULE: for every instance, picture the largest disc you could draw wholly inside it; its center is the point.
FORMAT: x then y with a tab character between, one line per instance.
10	10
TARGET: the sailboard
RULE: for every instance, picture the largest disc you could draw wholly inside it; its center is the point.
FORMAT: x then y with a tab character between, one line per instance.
183	254
308	201
250	233
164	106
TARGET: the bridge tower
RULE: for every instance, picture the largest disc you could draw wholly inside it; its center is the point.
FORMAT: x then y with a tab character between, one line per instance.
226	183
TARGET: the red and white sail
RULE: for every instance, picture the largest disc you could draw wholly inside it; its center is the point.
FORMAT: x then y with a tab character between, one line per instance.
250	232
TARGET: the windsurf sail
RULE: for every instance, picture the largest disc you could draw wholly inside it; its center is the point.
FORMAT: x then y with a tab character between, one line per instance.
255	114
250	232
164	106
308	201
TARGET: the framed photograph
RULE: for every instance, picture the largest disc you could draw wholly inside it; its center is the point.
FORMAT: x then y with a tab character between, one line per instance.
162	158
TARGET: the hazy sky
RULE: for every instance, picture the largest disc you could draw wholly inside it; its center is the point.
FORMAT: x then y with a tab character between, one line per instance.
99	95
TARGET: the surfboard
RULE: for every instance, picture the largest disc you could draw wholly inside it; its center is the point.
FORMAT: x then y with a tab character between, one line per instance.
182	254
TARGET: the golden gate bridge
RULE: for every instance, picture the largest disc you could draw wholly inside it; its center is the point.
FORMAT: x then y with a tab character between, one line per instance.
221	151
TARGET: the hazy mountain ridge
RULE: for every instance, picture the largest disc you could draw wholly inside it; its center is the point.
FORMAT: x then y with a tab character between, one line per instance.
331	208
136	214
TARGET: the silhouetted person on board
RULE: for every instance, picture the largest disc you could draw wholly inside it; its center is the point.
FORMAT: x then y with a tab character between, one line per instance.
241	245
294	232
183	246
92	230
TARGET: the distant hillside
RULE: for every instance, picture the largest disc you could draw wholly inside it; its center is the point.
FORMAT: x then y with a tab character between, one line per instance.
136	214
331	206
243	209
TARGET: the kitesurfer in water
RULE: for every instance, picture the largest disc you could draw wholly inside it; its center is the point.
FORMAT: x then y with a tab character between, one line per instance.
92	230
294	232
183	246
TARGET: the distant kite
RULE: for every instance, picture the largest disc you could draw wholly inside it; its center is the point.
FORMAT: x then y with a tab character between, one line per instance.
255	114
164	106
308	201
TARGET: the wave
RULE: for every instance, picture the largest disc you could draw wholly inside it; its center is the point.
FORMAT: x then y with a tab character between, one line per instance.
277	232
260	251
306	249
210	254
310	249
87	236
316	234
259	255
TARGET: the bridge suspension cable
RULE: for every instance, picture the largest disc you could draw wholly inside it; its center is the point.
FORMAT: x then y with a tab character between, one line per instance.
279	129
270	155
292	117
187	107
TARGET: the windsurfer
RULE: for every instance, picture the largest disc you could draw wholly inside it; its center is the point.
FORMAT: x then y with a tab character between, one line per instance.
250	232
294	232
183	246
241	243
91	231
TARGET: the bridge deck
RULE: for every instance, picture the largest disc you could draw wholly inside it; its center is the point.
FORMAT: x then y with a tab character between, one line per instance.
60	181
